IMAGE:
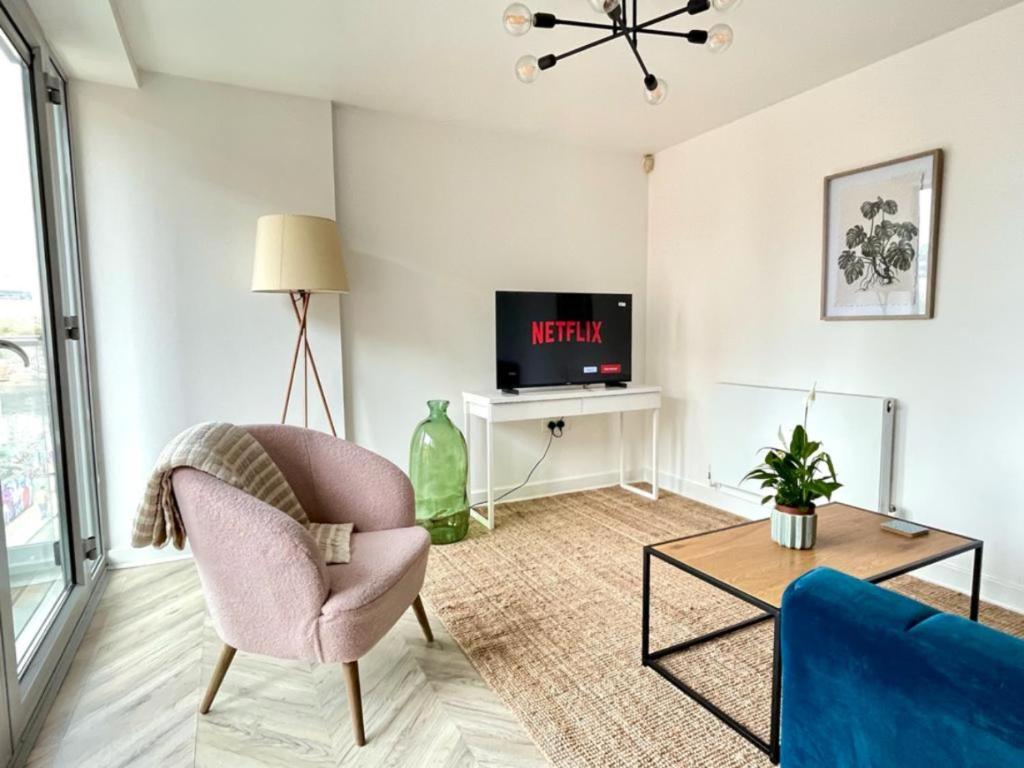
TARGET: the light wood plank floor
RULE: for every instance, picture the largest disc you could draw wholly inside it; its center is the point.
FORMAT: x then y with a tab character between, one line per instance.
131	695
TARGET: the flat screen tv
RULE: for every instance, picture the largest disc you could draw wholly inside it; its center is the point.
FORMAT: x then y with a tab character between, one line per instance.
547	339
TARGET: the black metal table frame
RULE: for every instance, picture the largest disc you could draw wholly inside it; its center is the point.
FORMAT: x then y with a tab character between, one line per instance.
651	658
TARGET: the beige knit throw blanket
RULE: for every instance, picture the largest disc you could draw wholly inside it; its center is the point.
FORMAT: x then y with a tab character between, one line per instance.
232	455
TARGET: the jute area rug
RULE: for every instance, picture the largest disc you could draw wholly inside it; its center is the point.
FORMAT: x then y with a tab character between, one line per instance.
548	607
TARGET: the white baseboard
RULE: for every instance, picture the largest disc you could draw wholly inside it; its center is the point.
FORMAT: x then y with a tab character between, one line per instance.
949	574
554	487
129	557
957	577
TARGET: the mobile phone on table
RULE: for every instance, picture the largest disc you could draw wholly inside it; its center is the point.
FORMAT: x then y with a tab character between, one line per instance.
903	528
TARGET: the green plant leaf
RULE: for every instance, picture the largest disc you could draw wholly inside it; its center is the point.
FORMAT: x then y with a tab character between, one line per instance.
907	230
855	236
885	230
799	441
795	472
870	208
890	207
900	255
873	247
854	269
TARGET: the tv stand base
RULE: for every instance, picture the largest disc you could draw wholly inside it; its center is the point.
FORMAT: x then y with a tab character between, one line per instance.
510	391
615	385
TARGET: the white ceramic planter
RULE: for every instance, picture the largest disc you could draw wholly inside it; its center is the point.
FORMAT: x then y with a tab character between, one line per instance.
794	531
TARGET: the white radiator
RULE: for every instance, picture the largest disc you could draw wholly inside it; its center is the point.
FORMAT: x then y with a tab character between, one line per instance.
857	430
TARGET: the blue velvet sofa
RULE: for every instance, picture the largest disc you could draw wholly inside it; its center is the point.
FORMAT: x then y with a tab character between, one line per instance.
871	678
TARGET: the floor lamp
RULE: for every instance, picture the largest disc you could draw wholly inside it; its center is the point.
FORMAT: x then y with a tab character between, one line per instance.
300	256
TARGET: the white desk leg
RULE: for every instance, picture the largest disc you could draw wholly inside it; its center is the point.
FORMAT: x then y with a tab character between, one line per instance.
653	493
622	448
654	453
487	522
467	428
490	474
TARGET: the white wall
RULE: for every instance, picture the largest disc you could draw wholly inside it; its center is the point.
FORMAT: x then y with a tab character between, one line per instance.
171	179
437	217
434	218
734	271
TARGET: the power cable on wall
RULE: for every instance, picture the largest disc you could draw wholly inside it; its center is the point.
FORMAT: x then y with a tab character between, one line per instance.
555	431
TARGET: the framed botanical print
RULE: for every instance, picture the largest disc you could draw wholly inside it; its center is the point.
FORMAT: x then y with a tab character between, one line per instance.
880	241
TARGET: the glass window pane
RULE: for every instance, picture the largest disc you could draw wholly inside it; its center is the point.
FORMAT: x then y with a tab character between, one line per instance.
32	498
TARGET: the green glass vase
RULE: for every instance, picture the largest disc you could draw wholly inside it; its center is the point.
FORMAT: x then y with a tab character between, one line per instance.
437	467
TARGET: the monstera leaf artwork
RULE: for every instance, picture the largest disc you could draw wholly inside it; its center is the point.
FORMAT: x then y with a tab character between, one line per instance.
877	252
881	231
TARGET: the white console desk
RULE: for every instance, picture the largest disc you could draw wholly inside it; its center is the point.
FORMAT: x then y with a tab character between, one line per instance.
565	402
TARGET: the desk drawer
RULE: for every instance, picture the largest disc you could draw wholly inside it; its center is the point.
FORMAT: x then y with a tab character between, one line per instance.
613	404
538	409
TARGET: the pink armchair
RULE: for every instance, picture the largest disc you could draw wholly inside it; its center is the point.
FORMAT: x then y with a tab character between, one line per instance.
266	584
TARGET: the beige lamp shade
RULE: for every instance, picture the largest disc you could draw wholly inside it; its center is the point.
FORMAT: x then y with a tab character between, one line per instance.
298	253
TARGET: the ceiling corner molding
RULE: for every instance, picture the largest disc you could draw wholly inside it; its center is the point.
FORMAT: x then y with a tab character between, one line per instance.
119	26
88	39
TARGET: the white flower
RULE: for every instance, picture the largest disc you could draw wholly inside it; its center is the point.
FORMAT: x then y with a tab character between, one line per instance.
811	397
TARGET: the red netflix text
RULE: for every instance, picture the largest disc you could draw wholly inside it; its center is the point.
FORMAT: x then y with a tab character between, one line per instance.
562	331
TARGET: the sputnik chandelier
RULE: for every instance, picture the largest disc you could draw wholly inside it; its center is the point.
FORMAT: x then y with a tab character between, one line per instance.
518	20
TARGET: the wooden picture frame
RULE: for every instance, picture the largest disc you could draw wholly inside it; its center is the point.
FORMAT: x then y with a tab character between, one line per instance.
874	267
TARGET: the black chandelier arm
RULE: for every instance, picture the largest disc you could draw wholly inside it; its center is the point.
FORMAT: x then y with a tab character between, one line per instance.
585	47
545	23
696	36
620	17
621	28
636	18
693	7
549	21
636	53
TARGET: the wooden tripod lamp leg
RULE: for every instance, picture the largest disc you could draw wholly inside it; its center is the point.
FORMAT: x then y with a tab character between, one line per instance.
297	298
301	317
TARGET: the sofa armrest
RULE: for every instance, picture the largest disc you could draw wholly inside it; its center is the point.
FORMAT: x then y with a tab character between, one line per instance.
873	678
263	577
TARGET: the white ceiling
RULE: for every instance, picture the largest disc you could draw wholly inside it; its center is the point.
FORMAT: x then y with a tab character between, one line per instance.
450	60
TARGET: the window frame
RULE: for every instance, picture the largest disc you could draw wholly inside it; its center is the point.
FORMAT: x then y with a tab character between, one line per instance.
31	686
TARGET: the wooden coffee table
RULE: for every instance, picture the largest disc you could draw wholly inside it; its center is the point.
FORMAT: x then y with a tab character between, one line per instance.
743	561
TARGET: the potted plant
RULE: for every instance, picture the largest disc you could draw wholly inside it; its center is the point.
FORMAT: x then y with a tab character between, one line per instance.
798	474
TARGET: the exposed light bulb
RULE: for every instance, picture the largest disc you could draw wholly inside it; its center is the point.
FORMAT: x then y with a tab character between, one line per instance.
517	19
605	6
726	5
719	38
527	68
658	94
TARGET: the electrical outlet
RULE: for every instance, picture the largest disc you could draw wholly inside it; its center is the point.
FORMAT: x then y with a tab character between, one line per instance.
555	424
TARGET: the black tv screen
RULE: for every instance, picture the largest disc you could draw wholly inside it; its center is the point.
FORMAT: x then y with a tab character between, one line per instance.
546	339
